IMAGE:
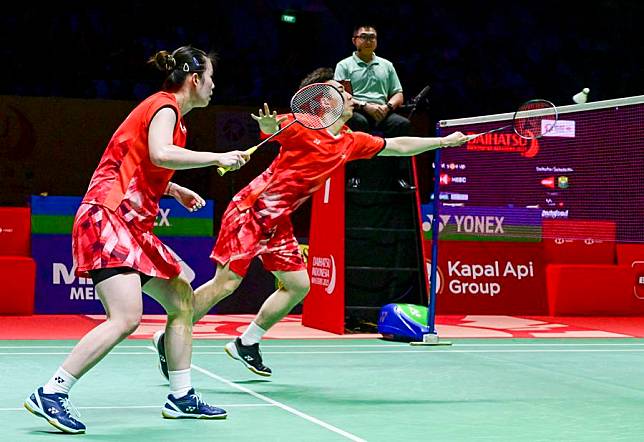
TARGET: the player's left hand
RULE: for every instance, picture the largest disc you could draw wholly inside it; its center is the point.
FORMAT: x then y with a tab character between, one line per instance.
187	198
267	120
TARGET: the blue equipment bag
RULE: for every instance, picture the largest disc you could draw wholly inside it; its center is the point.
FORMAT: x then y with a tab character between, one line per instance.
403	322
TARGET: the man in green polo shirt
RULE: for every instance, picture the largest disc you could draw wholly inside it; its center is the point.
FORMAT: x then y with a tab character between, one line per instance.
376	89
374	86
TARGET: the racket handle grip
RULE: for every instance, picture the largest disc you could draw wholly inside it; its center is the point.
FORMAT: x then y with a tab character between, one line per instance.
222	170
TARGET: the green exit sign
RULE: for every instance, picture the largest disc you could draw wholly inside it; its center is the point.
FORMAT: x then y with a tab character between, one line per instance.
288	18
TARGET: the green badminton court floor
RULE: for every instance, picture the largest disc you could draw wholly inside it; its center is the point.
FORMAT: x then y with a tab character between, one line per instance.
335	390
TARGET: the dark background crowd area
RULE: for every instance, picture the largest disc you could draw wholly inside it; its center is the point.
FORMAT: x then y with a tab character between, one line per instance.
478	57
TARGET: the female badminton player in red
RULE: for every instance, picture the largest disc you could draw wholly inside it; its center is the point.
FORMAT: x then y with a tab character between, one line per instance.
257	221
113	241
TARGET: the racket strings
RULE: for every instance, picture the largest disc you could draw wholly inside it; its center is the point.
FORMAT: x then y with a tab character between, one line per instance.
317	106
535	118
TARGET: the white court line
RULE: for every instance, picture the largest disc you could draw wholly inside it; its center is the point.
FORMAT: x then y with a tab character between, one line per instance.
280	405
392	345
455	344
139	407
39	346
66	353
418	351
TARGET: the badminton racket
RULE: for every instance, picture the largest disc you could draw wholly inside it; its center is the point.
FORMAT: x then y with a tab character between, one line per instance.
316	106
533	119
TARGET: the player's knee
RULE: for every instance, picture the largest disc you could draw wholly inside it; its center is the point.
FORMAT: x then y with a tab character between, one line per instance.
300	289
183	302
229	286
127	324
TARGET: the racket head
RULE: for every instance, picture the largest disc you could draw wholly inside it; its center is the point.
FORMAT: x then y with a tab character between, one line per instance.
317	105
535	118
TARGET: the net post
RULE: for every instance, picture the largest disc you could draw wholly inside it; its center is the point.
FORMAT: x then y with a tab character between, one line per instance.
431	337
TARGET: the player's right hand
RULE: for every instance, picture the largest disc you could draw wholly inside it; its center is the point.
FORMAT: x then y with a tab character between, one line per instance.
233	160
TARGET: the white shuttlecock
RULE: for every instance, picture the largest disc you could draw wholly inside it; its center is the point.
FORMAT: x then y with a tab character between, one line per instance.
581	97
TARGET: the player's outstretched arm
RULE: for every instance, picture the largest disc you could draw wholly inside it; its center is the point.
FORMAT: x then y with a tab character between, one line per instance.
409	146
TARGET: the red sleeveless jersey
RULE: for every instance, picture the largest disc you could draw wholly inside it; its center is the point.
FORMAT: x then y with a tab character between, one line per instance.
126	181
306	159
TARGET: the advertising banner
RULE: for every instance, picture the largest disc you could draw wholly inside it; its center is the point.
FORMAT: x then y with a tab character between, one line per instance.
59	291
479	223
489	278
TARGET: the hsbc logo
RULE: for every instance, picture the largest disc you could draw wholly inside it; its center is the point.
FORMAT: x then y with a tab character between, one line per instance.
588	241
446	179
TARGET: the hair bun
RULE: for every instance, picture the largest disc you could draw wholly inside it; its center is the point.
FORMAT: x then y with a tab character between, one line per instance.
170	62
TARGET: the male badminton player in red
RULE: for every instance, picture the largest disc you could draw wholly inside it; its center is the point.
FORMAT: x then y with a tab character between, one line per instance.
113	241
257	221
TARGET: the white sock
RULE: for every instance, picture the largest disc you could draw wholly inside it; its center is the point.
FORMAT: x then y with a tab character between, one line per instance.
180	382
253	334
60	382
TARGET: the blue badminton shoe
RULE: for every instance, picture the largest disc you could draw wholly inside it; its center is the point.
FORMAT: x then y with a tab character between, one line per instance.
56	409
191	406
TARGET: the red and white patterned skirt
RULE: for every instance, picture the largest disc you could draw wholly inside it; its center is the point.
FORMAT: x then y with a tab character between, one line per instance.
241	238
101	239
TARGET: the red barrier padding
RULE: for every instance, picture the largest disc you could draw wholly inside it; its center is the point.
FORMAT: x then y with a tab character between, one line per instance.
627	254
632	255
17	285
592	290
15	231
579	242
324	306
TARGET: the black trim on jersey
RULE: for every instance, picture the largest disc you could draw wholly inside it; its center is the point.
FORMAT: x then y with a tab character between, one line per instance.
174	108
384	144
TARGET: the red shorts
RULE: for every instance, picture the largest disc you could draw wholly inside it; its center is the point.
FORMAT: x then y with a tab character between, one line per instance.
242	238
101	239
